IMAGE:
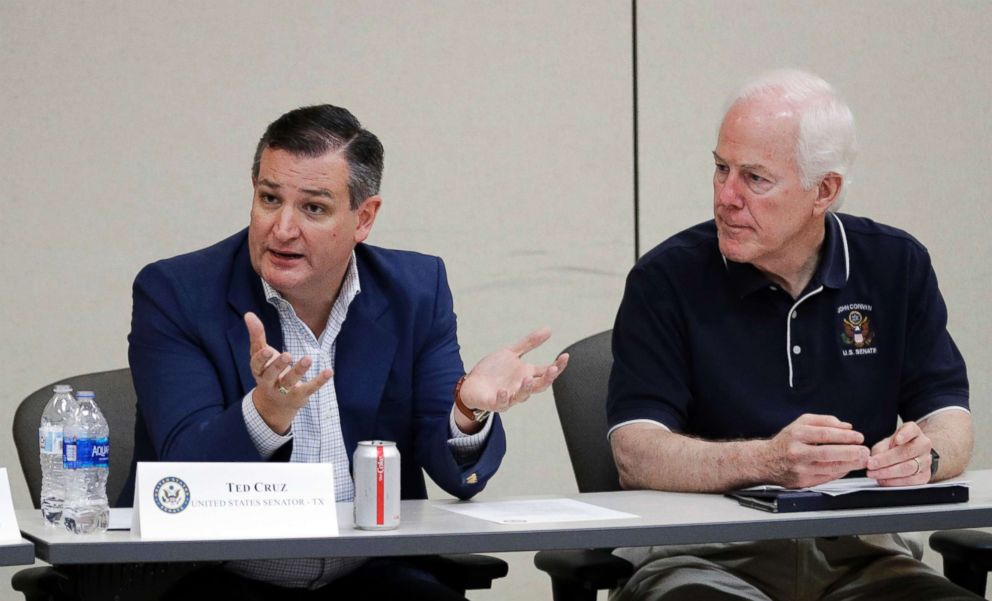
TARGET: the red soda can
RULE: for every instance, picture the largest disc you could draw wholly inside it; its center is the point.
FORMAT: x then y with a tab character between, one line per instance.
376	468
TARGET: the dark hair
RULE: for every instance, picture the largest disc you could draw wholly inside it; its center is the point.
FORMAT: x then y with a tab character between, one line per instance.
313	131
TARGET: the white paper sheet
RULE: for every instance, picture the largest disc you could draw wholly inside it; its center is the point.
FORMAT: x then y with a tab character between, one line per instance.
536	511
120	518
845	486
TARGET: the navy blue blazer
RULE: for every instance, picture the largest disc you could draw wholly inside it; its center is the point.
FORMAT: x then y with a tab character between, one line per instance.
396	363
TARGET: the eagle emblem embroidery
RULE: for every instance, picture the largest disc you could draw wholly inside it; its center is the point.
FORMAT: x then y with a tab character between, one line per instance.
857	330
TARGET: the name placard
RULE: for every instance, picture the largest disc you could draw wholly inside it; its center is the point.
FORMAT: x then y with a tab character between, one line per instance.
221	501
9	532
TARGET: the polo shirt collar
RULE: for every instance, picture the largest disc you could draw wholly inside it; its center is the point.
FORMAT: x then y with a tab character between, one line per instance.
745	278
833	271
835	261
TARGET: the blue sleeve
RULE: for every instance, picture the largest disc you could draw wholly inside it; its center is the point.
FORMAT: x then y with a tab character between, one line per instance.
180	396
436	370
650	376
934	374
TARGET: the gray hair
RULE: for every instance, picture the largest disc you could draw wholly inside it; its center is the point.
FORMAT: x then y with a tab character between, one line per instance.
826	142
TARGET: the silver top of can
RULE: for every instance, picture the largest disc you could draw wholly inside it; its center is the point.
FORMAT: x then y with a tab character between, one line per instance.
376	443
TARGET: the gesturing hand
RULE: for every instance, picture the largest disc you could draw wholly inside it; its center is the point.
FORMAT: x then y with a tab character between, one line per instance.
815	449
902	459
279	390
502	379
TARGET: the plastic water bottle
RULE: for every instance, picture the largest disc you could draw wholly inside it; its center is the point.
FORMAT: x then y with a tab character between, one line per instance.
86	459
50	446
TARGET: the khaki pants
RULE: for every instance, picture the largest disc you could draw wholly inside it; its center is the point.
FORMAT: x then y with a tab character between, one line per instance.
848	568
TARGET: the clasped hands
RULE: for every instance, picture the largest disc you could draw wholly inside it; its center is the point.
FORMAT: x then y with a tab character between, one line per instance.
496	383
818	448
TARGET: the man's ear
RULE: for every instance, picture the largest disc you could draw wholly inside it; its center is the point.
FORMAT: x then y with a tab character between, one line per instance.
827	192
367	212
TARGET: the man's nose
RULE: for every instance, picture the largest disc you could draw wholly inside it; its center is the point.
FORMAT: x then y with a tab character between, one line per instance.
286	226
729	193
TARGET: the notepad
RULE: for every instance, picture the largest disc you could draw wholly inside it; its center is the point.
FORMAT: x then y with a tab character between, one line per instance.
857	493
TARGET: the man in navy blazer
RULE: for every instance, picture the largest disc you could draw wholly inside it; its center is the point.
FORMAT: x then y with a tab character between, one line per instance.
376	356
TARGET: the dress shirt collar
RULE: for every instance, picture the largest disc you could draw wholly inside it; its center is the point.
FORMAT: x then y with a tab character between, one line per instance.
350	287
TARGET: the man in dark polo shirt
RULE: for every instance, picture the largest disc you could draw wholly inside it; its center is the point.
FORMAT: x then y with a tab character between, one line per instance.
781	343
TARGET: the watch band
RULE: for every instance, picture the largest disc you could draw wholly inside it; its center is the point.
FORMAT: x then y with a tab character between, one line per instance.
476	415
934	463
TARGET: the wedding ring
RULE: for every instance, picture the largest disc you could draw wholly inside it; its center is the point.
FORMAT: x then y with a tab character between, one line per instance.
918	466
283	390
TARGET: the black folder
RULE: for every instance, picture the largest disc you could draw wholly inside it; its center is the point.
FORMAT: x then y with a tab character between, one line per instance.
788	501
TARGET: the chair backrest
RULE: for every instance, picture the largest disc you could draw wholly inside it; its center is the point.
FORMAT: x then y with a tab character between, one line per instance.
117	401
580	397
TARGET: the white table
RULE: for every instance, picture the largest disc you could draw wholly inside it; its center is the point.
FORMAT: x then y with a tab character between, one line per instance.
664	518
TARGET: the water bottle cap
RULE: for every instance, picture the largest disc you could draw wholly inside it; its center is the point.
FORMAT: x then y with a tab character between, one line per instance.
62	388
85	394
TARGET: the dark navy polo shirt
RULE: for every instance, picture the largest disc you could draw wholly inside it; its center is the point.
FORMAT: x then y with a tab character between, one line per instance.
712	348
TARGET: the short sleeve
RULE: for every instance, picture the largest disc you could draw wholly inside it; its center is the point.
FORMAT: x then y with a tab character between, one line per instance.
934	374
650	376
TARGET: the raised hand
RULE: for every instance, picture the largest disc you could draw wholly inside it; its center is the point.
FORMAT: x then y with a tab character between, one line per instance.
279	390
502	379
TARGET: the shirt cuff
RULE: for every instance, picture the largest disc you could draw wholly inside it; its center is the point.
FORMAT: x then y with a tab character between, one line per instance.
266	441
467	447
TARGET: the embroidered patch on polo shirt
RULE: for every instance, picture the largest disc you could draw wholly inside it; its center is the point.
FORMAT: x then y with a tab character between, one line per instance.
857	334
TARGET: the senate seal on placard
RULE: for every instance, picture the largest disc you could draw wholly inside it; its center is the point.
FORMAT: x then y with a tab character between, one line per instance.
171	494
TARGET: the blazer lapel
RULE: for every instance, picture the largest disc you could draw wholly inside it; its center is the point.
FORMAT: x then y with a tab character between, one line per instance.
363	358
245	294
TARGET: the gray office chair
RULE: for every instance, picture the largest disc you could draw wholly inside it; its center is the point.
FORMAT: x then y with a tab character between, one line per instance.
117	400
580	398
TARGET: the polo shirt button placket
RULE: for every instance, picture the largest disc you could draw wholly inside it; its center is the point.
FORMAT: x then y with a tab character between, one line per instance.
798	379
796	349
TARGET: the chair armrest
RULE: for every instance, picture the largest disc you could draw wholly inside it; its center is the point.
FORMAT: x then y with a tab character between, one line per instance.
967	557
41	583
464	571
593	569
119	581
970	546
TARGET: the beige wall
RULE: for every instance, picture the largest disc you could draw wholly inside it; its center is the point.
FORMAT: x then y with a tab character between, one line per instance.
128	132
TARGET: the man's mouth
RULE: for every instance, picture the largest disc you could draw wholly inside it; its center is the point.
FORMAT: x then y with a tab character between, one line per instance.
734	226
287	256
